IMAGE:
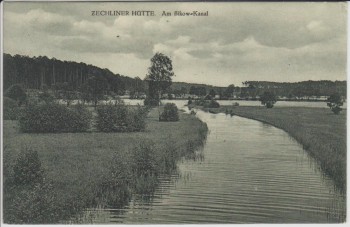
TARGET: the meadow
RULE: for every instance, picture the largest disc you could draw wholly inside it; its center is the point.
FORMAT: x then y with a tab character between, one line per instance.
321	133
79	164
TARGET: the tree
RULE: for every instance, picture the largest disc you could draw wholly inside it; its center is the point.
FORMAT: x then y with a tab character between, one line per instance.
335	102
193	90
67	92
46	97
95	87
159	75
202	91
212	93
229	91
268	99
183	91
17	93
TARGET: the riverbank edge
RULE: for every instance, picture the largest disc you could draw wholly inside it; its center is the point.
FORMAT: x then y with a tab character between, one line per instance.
338	175
188	143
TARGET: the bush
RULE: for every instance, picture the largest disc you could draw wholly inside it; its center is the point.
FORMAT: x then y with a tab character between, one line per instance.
199	102
151	101
114	188
189	102
136	119
268	99
27	169
81	118
211	104
118	118
11	110
207	103
28	197
17	93
169	113
52	117
334	102
144	162
46	97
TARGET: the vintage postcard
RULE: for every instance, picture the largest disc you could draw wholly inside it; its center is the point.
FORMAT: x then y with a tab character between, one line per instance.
173	112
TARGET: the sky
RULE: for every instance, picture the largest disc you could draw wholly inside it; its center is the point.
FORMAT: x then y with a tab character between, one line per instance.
236	42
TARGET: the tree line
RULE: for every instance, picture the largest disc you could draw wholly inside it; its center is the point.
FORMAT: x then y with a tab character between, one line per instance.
42	72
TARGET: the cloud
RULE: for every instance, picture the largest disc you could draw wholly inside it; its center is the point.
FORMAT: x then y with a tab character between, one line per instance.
236	42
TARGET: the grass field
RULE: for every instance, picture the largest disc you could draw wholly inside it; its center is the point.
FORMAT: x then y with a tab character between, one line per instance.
77	162
322	133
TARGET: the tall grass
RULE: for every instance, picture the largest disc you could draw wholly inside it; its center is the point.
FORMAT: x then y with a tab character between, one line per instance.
95	169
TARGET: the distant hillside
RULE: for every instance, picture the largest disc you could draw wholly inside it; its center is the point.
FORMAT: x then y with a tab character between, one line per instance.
298	89
37	72
40	72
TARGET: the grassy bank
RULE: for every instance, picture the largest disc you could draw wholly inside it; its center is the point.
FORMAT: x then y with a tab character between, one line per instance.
322	133
81	165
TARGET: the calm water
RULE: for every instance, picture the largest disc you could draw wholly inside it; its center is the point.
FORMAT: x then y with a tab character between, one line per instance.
251	173
231	102
244	103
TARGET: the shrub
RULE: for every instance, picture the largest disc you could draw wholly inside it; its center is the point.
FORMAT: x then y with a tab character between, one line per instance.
52	117
151	101
28	197
189	102
111	118
211	104
268	99
136	119
17	93
35	205
114	188
118	118
11	110
334	102
169	113
46	97
80	118
27	169
199	102
144	162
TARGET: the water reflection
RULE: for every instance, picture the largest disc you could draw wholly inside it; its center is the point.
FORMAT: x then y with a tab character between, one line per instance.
247	172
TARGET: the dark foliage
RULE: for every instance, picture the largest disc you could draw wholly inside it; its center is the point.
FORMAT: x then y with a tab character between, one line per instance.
189	101
199	91
10	109
207	103
46	97
17	93
211	104
159	75
170	113
28	197
38	72
149	101
144	160
95	87
268	99
119	118
65	91
335	101
27	169
114	189
52	117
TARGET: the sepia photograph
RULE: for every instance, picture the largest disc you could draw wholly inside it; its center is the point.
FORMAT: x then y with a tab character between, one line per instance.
173	112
